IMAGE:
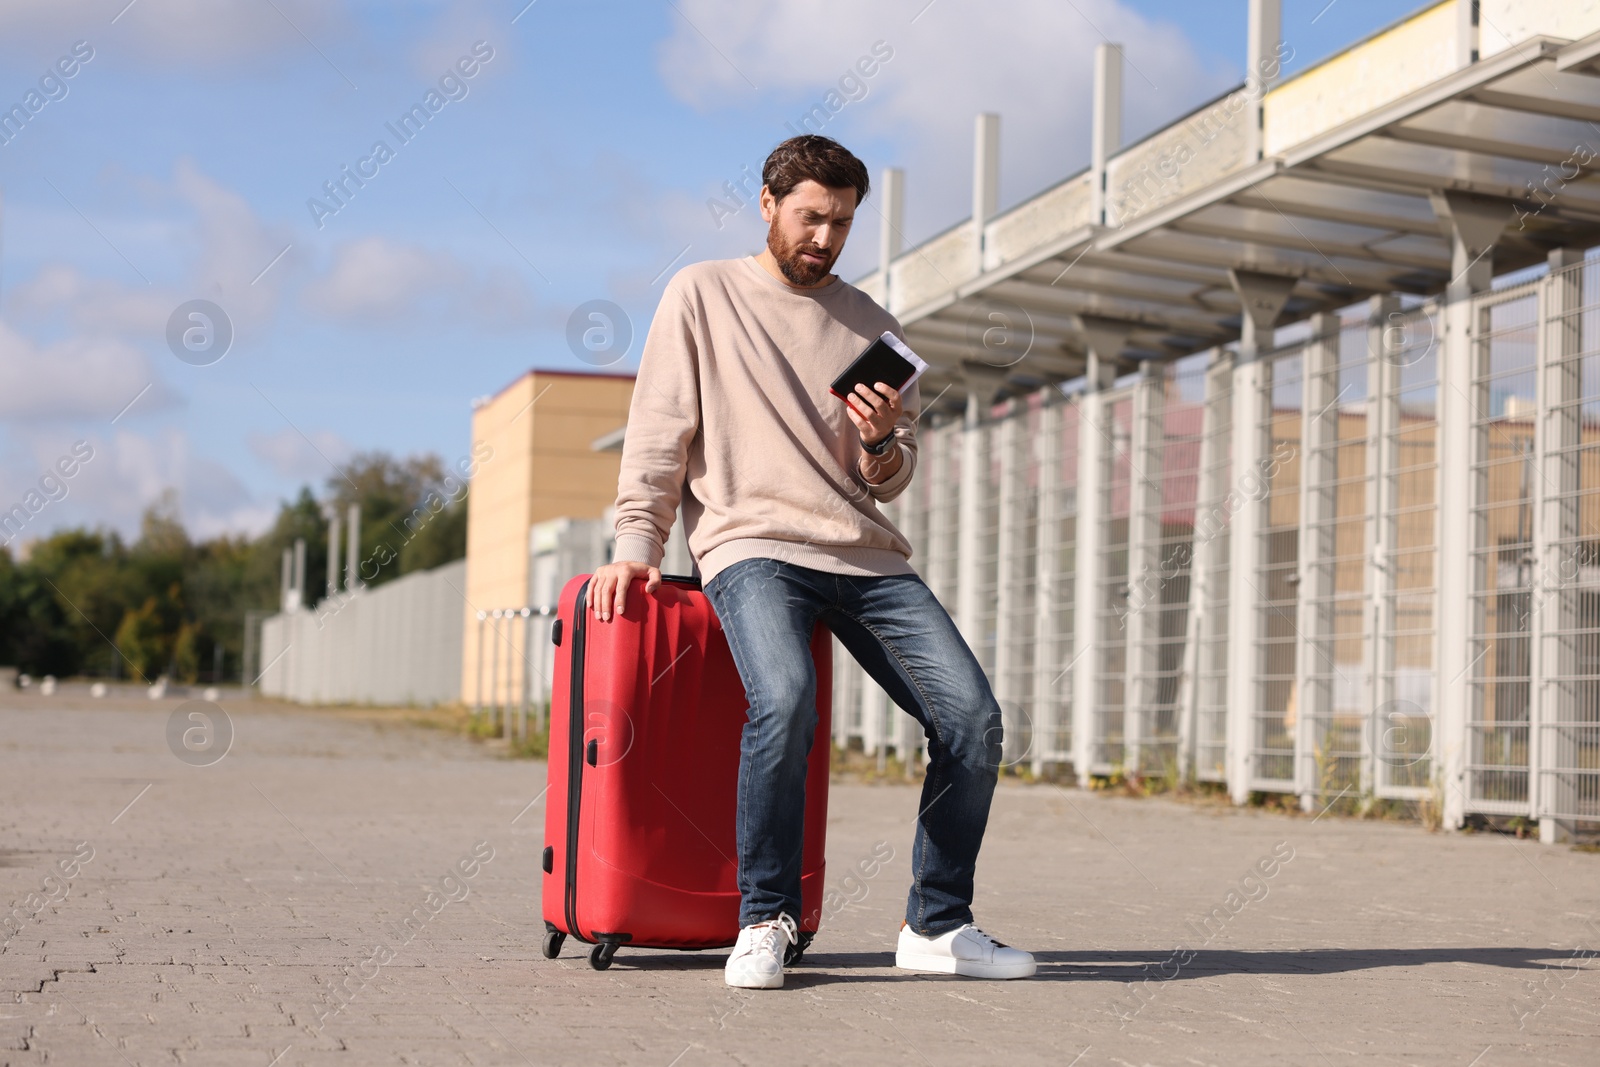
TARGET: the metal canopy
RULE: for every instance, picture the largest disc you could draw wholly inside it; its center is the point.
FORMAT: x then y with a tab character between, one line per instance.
1346	215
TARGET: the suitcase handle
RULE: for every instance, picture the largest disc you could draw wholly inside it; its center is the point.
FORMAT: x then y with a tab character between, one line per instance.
684	579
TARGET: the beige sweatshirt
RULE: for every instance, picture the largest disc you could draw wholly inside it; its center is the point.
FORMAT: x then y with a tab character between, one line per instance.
732	414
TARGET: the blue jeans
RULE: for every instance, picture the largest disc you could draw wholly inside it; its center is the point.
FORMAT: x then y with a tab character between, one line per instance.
905	640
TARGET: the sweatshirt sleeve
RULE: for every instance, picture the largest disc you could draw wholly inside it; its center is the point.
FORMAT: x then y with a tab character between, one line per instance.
663	417
905	432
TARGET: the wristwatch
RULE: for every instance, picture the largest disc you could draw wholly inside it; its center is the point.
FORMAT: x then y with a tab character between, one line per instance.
881	447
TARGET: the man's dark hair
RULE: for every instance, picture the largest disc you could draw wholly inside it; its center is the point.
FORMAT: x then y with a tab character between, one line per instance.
821	159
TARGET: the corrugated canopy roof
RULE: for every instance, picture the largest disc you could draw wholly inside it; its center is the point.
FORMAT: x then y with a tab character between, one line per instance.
1342	213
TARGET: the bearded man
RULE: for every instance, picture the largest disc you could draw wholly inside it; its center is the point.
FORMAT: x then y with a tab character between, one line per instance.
780	483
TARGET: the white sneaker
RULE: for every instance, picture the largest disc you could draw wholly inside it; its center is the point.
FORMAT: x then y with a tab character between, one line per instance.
965	950
757	958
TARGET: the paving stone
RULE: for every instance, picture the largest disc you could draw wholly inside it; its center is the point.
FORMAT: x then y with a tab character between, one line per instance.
222	902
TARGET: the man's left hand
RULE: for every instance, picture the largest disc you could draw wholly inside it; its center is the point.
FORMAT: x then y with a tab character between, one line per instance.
875	410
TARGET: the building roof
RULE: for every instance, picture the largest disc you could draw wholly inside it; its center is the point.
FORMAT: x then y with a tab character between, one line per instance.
1365	158
538	372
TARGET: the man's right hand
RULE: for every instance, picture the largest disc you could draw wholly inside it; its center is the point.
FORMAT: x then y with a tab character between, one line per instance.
608	589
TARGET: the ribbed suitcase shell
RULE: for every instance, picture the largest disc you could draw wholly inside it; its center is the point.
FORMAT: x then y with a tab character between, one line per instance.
646	713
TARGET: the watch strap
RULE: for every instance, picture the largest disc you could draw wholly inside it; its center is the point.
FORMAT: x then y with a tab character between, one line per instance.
881	447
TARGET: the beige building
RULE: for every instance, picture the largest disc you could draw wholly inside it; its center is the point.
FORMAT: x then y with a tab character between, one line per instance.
540	463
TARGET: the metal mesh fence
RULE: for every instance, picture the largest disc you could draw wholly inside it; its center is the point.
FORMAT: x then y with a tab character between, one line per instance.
1213	540
1017	559
1504	471
1110	657
1568	581
1058	656
1276	711
1406	558
1163	469
1337	687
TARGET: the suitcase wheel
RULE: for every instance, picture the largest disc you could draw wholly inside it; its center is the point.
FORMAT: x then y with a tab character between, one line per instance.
553	940
600	955
796	952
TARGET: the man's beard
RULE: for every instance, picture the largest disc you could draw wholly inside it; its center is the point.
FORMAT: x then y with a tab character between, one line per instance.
801	272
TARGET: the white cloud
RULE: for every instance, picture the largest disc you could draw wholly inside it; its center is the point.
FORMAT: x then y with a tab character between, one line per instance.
294	457
125	473
661	228
230	248
84	375
211	498
234	247
455	29
92	305
1031	61
374	281
76	346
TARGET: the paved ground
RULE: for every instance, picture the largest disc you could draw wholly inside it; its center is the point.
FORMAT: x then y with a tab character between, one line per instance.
214	909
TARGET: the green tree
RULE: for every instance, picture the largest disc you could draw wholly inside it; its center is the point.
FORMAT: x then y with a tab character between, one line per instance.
85	602
148	636
440	539
218	591
77	585
404	508
298	518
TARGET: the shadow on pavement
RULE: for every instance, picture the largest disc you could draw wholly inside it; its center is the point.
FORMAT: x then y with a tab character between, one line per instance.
821	968
1207	963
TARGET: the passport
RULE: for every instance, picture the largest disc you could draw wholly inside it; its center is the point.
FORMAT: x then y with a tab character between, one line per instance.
886	359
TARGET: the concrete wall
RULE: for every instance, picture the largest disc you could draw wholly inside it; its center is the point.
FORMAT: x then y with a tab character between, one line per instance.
1415	53
940	263
1047	217
1184	158
541	430
1505	23
398	644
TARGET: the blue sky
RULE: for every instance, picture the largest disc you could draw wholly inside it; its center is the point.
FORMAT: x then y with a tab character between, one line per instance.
576	163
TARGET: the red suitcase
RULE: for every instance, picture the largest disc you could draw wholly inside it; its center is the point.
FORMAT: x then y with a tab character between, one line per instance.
646	713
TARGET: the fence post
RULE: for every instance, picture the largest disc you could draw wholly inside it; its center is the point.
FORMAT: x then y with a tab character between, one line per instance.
527	673
477	691
494	669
